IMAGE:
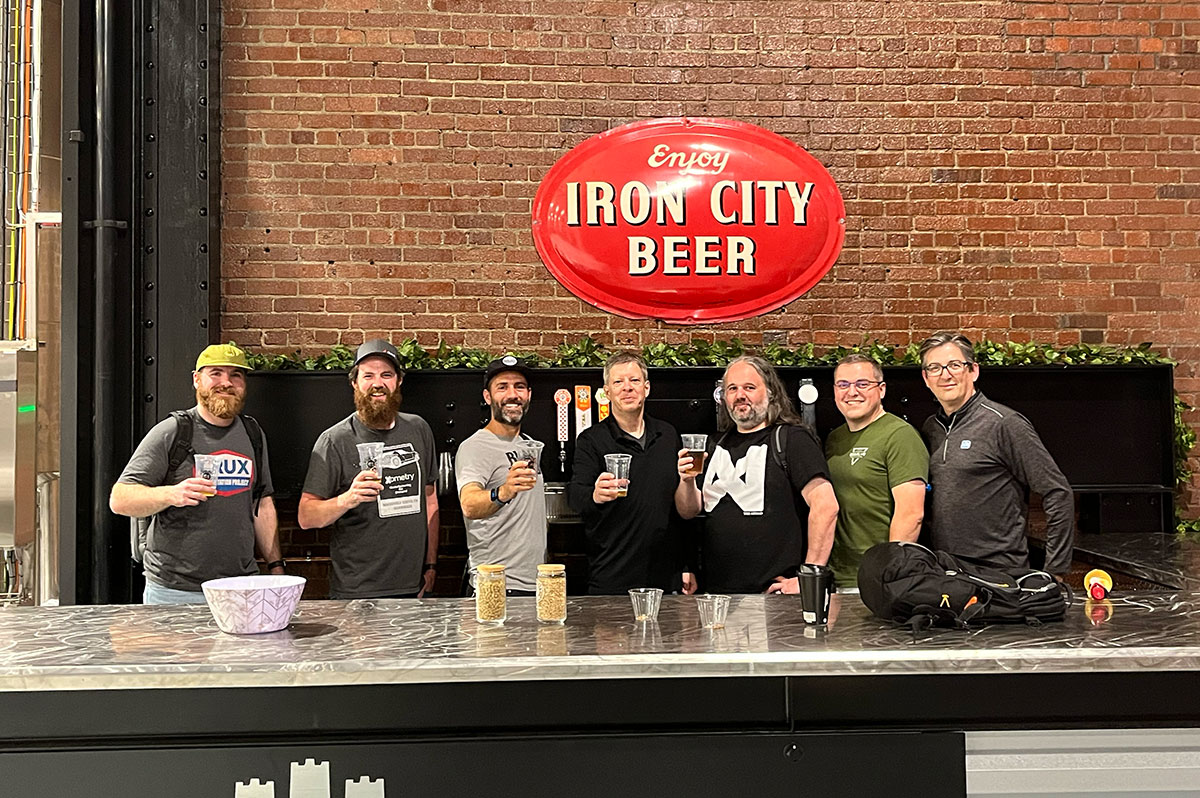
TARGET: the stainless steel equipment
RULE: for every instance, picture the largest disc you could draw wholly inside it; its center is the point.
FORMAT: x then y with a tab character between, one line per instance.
445	476
557	509
18	465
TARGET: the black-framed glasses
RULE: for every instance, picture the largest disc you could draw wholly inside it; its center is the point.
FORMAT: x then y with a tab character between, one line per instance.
954	367
862	385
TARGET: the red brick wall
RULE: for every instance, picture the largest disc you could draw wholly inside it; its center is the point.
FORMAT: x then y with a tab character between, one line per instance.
1024	170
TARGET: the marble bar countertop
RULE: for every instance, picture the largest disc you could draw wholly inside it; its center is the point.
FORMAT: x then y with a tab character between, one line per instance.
1164	558
438	640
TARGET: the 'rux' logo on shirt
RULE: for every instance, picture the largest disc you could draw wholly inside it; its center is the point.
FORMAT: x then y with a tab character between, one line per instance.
234	474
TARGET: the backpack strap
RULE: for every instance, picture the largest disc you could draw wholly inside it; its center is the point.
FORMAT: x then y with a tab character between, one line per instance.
255	433
181	445
177	453
779	441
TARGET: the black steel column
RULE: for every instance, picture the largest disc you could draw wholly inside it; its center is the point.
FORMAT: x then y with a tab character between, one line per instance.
180	188
140	252
75	372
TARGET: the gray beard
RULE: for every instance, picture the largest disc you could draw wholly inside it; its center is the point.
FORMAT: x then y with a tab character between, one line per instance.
500	413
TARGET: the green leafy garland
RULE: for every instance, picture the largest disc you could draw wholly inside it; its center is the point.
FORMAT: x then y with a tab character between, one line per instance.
587	352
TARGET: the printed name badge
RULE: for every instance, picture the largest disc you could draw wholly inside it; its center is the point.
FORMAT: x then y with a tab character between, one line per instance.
400	474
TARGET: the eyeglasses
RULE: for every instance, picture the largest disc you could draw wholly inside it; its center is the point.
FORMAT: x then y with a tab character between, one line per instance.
954	367
862	385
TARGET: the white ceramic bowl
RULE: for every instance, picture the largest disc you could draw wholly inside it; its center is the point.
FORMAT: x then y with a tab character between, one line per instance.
251	605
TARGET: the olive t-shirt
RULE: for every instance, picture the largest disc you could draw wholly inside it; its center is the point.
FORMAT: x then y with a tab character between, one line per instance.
189	545
376	551
864	466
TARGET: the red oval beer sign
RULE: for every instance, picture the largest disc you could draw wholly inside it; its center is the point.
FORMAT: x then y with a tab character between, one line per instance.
691	221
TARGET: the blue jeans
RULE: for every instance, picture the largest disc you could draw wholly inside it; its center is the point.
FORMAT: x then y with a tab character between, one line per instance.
160	594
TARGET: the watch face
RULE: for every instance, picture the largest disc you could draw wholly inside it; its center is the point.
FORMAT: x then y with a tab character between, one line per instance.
808	393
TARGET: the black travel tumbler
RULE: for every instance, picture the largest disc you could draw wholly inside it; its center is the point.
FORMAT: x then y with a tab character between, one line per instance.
816	586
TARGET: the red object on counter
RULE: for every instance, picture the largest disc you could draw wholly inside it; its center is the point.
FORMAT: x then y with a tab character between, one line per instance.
1098	584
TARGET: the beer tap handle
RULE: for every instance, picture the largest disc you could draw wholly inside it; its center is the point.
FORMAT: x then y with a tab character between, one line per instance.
562	400
808	395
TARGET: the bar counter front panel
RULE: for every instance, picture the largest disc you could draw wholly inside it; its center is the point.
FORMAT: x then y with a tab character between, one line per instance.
418	694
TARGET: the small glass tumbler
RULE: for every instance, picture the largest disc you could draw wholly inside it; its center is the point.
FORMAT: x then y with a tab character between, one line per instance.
696	446
646	601
369	455
531	453
206	468
618	466
713	610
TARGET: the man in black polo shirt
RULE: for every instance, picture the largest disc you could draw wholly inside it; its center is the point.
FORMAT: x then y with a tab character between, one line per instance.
634	540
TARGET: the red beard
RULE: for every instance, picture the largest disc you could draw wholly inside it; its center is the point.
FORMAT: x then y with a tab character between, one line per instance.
222	404
374	413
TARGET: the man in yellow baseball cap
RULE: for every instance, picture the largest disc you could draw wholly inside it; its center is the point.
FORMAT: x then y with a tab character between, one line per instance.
202	478
223	355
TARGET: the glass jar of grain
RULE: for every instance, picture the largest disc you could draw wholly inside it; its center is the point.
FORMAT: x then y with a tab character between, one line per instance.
490	595
552	593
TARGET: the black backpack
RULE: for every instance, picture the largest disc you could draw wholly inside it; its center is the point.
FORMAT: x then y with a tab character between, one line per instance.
912	585
180	450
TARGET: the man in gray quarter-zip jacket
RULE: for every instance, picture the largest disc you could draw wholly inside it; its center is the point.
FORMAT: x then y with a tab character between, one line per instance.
984	460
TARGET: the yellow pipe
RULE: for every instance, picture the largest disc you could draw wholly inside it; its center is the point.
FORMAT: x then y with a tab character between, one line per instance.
13	220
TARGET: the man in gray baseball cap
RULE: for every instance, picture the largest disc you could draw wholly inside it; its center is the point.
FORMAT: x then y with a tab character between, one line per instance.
371	478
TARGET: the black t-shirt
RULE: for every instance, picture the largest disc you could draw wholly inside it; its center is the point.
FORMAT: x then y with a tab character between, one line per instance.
757	526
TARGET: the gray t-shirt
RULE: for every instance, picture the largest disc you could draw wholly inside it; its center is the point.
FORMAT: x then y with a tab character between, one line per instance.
374	555
514	535
188	545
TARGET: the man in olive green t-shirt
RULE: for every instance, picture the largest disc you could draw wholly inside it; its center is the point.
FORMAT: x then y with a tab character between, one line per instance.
878	465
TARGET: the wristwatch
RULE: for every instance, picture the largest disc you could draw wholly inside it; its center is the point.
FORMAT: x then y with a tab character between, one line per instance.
277	564
496	497
429	566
